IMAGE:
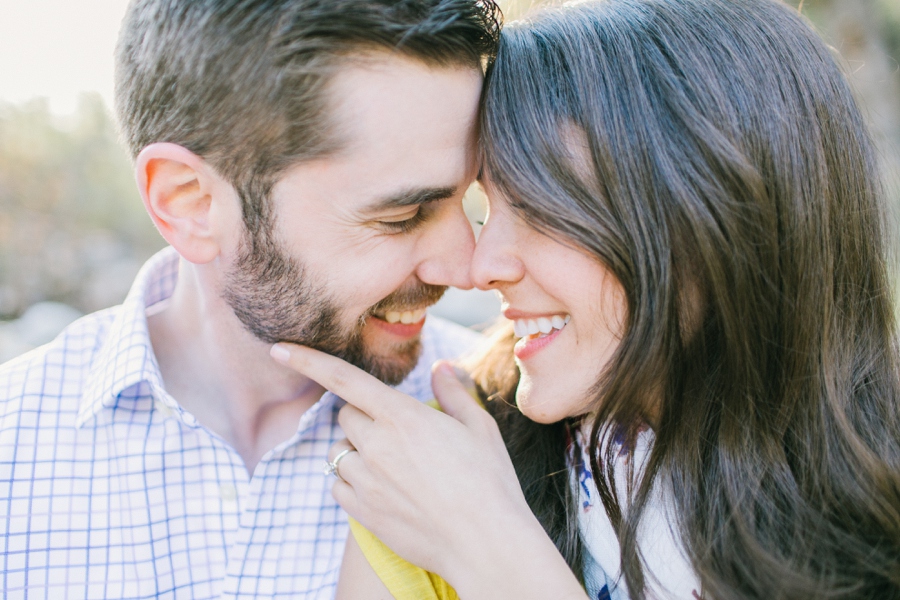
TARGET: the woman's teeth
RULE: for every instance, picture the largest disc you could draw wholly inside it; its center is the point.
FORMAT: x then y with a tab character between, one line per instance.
408	317
539	327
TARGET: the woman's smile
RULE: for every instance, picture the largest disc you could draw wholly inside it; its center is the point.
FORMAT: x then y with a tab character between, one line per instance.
535	332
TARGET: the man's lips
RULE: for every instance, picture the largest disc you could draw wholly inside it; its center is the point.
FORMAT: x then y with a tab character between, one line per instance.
399	329
407	316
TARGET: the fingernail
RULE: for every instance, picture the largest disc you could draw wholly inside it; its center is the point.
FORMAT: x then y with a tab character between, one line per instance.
280	353
463	377
448	369
445	368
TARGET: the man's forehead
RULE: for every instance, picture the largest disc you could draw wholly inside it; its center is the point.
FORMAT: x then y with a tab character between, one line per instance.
375	95
405	133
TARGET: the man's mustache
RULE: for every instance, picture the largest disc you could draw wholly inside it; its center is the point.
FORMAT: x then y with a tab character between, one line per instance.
410	298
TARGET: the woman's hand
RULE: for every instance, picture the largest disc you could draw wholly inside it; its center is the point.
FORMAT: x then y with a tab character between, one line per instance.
423	481
439	489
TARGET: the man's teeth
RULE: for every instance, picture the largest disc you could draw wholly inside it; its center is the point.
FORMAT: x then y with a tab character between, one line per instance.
541	325
408	317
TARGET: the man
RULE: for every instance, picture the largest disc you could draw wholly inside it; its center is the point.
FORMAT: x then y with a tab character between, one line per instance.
306	160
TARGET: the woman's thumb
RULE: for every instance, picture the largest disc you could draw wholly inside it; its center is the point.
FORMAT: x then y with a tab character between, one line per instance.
455	391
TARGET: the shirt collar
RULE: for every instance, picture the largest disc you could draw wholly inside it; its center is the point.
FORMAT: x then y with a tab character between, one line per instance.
126	356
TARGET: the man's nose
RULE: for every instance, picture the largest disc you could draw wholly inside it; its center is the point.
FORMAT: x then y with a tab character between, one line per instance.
448	248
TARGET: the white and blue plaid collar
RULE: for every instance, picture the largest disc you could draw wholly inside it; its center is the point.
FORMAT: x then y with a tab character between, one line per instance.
126	357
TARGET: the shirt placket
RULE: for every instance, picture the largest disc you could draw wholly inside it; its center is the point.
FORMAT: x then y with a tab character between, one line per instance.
270	554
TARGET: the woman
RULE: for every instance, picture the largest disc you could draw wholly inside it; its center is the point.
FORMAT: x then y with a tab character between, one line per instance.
684	201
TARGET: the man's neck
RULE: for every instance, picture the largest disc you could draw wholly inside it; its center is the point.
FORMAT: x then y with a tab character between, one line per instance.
222	374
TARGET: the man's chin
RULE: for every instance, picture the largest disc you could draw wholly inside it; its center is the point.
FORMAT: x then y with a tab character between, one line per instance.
385	355
379	355
392	368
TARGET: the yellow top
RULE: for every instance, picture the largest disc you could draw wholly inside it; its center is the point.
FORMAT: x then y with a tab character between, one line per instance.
404	580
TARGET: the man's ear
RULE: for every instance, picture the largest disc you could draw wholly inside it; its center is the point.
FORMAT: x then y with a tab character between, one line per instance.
178	189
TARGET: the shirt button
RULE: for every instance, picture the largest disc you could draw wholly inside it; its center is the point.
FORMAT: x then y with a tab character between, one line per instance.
228	492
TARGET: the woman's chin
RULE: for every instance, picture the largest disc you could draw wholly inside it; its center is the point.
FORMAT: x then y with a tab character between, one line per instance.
537	407
546	401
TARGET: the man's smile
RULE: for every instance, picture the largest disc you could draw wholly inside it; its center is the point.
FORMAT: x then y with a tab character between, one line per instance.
404	324
406	317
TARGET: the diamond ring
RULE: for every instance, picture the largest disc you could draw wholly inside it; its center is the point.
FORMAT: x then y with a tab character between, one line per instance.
332	466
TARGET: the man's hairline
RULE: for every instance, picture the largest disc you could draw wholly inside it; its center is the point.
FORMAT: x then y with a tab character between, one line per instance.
358	55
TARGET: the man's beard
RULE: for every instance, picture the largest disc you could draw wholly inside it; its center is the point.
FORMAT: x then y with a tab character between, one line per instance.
277	300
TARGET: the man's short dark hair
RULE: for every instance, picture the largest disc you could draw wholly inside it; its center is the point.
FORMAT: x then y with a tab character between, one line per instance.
241	82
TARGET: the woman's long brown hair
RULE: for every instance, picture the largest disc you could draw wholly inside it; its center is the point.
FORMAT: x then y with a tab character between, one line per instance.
733	190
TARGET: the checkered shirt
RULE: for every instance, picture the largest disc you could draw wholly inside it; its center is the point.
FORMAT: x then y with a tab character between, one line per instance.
109	489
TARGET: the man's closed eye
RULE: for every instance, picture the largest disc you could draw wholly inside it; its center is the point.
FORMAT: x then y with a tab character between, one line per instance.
404	223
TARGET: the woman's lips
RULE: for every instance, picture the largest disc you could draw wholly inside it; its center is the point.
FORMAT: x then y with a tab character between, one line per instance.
528	347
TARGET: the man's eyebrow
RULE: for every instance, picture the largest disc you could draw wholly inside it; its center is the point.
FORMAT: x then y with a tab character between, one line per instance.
411	198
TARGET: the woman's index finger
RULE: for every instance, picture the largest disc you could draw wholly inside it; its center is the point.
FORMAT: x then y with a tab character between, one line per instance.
350	383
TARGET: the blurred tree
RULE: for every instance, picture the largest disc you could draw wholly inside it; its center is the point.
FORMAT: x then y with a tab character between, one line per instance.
71	221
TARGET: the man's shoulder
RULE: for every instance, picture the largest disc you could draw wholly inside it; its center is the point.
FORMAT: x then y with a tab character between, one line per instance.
56	368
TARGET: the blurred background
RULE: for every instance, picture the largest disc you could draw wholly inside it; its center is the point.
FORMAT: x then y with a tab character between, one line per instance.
73	232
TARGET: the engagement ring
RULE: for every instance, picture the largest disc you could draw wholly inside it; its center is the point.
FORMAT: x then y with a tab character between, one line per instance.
332	467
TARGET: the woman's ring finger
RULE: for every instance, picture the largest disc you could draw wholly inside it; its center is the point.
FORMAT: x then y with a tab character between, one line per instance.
332	467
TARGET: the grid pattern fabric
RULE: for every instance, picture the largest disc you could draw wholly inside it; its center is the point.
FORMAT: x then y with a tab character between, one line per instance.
109	489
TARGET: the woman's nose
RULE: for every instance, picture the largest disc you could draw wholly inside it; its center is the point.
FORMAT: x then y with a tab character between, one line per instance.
496	261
